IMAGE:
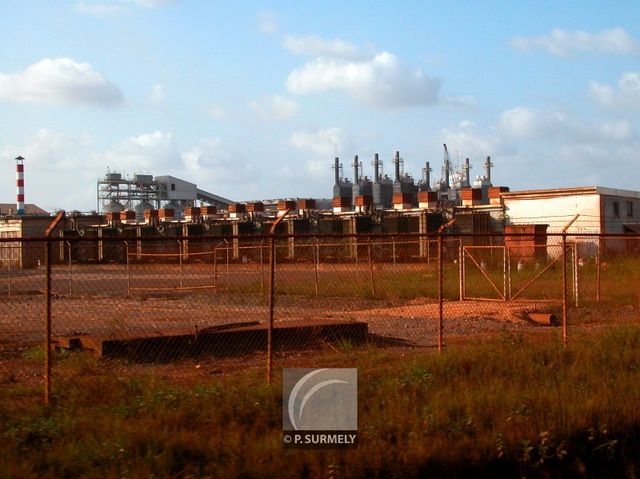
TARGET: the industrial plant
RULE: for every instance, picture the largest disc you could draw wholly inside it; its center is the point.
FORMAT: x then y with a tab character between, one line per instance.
166	206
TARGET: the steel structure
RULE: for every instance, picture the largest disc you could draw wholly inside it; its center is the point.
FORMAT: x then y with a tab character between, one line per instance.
114	189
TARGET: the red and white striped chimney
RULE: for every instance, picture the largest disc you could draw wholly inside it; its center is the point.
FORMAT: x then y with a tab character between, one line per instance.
20	185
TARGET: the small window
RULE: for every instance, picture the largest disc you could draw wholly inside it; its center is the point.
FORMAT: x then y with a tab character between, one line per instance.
173	187
616	209
629	208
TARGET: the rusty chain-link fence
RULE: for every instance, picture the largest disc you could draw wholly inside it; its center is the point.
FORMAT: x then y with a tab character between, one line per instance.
162	299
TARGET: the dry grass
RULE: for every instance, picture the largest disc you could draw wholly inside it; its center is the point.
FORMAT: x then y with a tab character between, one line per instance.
511	406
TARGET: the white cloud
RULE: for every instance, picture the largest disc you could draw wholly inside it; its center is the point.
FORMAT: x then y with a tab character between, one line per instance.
382	81
149	152
101	10
322	142
105	9
466	101
157	95
562	43
627	95
314	46
528	123
275	108
268	22
152	3
215	165
216	112
473	141
60	81
49	150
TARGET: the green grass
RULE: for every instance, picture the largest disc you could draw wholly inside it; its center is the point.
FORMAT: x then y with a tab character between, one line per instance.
511	406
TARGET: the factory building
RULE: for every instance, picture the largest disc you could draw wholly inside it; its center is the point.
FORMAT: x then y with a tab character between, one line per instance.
117	193
170	207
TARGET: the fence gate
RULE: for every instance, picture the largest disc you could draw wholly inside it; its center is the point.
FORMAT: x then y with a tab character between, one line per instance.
483	274
535	272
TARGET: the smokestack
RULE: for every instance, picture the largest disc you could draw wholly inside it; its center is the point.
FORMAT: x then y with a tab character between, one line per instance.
487	169
20	185
397	165
427	175
376	168
336	167
465	170
355	170
445	173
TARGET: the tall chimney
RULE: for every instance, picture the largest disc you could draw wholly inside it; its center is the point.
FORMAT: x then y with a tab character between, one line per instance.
20	185
487	169
376	168
445	172
336	167
427	175
397	165
465	173
355	170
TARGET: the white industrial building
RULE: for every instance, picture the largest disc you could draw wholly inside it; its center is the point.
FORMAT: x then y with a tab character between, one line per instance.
600	210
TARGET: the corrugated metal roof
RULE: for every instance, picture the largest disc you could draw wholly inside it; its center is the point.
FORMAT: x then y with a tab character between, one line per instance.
30	209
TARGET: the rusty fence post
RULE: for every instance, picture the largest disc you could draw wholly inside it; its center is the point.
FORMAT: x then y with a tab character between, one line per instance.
272	293
564	288
565	305
10	256
126	250
371	276
70	277
441	284
316	263
598	258
47	333
440	292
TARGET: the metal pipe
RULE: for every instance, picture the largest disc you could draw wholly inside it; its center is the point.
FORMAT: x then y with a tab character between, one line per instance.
69	253
272	293
10	259
47	336
126	245
180	258
317	266
487	169
564	288
396	163
598	272
376	168
336	167
575	275
47	343
427	175
461	269
504	272
440	292
356	173
371	276
466	175
441	283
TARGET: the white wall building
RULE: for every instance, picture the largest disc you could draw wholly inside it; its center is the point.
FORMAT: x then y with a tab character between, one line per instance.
600	210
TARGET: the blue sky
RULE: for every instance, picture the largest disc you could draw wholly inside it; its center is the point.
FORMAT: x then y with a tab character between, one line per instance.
252	100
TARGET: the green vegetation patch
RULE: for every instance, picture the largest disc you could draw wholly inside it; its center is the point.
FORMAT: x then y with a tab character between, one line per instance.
511	406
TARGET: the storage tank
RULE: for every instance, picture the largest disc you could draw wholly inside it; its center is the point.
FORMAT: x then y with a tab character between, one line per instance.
113	207
140	207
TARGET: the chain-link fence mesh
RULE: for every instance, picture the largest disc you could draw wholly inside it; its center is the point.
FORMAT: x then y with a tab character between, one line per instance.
161	299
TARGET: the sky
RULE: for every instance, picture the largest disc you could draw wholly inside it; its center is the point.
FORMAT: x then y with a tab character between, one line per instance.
253	99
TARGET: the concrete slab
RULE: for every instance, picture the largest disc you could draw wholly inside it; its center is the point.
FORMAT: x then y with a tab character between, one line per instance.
219	340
